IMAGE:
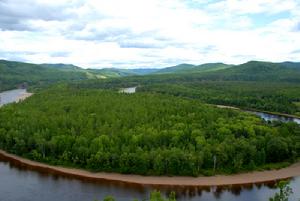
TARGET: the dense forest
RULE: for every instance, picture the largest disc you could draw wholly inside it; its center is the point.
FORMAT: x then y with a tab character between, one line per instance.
14	74
265	96
38	76
142	133
273	87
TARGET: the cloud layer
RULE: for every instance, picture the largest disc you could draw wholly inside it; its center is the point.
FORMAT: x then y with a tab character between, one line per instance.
142	33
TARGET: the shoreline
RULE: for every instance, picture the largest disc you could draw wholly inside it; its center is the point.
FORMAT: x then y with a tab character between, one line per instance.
23	96
182	181
19	98
255	110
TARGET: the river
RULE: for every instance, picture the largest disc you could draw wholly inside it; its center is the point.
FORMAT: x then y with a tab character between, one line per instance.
13	96
18	183
129	90
273	117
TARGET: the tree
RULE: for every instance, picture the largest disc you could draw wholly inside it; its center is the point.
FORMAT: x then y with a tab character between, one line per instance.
156	196
109	198
284	192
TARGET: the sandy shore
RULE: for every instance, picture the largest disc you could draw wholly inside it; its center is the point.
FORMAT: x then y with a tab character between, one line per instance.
23	96
219	180
227	107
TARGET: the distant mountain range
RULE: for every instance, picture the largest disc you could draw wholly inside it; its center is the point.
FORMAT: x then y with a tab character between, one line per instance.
190	68
14	73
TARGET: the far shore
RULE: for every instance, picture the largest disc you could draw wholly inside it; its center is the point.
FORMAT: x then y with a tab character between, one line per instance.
201	181
255	110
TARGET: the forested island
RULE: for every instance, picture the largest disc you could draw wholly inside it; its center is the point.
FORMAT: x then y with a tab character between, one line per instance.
142	133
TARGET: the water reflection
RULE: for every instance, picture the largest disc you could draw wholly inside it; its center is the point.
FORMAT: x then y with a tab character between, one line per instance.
11	96
129	90
273	117
18	182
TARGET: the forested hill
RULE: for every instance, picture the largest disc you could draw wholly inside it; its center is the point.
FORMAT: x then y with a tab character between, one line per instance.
259	71
189	68
142	133
286	72
16	73
13	74
250	71
246	71
273	87
174	69
62	66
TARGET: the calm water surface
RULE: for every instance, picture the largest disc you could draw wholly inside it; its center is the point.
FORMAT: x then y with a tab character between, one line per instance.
272	117
20	184
129	90
10	96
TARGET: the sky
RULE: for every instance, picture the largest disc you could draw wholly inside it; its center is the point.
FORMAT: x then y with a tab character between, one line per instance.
149	33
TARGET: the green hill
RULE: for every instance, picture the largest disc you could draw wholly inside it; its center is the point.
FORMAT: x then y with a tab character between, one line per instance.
257	85
175	69
256	70
250	71
294	65
62	66
112	72
273	87
12	74
189	68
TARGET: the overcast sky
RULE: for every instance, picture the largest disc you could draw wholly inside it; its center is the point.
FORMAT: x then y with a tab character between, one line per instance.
149	33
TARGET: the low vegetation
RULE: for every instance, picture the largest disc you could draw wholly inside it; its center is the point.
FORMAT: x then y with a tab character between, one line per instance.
284	192
154	196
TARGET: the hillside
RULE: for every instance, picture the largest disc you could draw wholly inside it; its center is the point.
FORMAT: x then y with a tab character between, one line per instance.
175	69
273	87
189	68
256	70
62	66
13	74
250	71
294	65
111	72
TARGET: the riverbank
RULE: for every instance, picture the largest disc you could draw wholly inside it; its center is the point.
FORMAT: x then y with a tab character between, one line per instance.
254	110
23	96
202	181
275	113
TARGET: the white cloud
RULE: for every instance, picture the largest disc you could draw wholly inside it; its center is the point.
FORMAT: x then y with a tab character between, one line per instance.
254	6
141	33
